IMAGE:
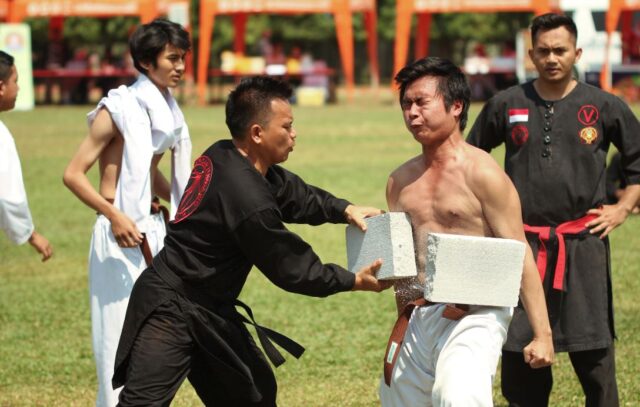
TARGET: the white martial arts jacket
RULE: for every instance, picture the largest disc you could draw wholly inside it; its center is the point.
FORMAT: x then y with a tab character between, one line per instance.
15	217
150	123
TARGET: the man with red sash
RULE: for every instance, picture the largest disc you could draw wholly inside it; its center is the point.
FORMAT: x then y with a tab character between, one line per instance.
557	132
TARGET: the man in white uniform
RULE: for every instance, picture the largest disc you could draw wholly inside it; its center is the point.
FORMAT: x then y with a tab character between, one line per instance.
450	353
129	132
15	216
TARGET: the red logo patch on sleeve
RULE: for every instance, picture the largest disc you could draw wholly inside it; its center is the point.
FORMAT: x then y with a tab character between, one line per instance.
196	188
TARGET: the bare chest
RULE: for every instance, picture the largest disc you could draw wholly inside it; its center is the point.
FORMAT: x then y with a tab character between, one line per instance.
441	203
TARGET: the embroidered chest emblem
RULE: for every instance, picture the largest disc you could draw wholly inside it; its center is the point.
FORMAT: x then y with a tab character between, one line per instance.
196	188
519	134
588	135
588	115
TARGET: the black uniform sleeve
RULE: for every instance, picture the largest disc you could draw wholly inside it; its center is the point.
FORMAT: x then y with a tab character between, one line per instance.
287	260
302	203
625	134
487	131
613	178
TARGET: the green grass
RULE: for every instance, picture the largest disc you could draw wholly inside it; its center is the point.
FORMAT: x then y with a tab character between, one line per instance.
349	149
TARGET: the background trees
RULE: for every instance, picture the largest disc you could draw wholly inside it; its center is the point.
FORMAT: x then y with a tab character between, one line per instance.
452	35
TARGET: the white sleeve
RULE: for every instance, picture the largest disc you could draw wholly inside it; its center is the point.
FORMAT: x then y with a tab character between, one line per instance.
15	217
180	168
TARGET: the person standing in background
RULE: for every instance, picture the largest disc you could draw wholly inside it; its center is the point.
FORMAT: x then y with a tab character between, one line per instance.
15	216
129	132
557	132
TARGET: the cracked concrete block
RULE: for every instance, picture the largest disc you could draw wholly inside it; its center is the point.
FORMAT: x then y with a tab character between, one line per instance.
473	270
389	237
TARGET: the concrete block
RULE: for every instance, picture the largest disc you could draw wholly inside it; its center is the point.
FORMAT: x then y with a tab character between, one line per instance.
473	270
389	237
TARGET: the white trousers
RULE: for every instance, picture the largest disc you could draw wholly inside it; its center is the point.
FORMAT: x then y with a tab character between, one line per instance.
448	363
112	272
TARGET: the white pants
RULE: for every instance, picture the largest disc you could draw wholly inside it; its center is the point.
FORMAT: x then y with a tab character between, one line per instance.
112	272
448	363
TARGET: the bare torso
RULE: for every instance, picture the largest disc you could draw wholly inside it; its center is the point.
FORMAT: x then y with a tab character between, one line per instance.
439	197
109	166
110	161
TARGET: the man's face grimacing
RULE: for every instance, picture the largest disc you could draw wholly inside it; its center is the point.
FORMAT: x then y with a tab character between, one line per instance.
554	54
425	114
277	134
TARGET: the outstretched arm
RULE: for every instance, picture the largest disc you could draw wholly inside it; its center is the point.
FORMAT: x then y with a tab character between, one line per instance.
501	209
103	131
290	262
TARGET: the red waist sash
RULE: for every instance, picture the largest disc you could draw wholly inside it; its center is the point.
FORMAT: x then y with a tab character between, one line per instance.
572	227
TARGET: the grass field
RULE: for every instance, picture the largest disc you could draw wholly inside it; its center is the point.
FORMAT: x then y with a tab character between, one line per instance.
349	149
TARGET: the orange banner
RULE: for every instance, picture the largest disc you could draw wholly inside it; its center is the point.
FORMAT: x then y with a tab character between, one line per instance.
4	9
285	6
273	6
448	6
47	8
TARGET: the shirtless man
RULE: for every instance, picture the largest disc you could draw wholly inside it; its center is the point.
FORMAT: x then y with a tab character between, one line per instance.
454	188
130	130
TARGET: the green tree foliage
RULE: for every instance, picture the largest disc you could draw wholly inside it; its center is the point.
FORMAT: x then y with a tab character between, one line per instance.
107	37
452	35
464	29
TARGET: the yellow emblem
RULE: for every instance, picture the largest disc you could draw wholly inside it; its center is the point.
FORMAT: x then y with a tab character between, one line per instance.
588	135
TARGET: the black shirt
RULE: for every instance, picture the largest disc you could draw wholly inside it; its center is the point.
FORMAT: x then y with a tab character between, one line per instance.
556	151
231	218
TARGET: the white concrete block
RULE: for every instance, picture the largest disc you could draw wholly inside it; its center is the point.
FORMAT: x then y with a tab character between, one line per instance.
389	237
473	270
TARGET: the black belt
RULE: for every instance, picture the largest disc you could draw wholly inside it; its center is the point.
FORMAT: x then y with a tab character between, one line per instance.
265	335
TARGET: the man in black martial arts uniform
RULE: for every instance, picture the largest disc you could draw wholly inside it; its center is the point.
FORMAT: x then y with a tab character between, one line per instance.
557	132
182	319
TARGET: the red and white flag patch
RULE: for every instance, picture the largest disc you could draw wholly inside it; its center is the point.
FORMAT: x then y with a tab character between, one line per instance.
518	115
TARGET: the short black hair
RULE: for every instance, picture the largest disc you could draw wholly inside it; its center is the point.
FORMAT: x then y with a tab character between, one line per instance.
149	40
250	103
452	84
6	62
550	21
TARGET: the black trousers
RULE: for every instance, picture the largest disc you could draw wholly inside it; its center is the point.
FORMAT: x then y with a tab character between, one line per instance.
523	386
165	353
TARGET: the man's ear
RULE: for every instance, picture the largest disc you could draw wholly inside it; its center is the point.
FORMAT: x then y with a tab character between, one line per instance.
2	88
456	106
255	132
145	65
578	54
